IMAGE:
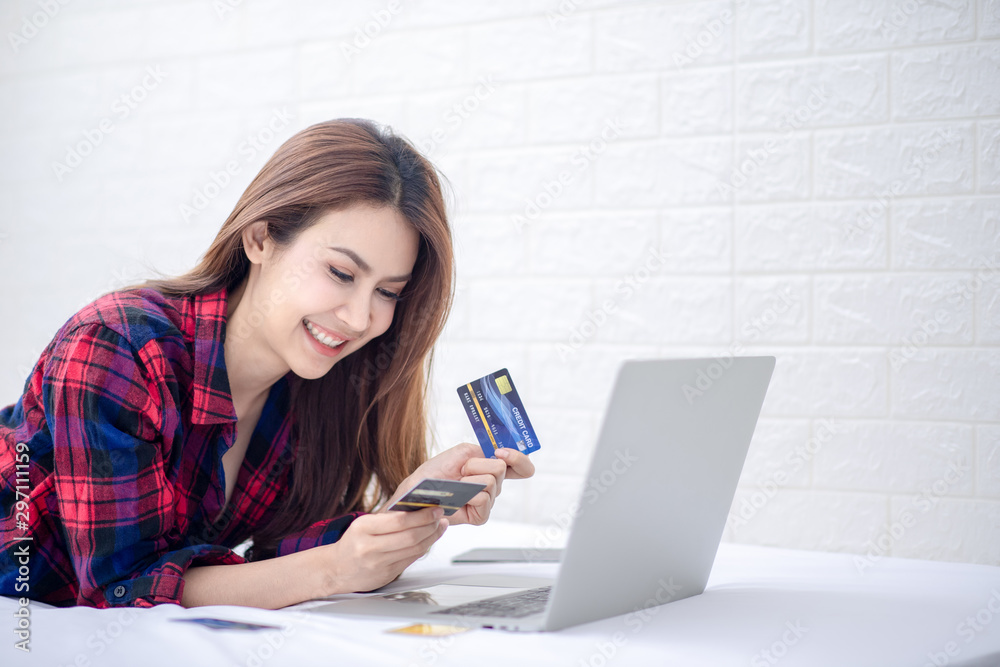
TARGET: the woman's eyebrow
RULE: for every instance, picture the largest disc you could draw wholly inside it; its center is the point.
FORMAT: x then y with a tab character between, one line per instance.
365	268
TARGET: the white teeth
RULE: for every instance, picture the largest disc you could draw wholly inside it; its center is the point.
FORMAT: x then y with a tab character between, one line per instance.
322	337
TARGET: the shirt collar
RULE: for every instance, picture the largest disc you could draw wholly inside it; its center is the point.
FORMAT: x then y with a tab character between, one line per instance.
211	398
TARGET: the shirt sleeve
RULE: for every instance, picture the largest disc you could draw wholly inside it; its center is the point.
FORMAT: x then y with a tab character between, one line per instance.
323	532
107	405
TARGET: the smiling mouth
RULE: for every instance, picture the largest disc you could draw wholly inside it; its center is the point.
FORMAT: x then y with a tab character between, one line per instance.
332	343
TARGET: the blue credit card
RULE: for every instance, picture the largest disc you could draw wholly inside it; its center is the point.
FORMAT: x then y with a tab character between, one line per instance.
223	624
497	414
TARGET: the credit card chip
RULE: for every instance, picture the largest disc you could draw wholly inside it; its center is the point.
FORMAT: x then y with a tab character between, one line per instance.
503	384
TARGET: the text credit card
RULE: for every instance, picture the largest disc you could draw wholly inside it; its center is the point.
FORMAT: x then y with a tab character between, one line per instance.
497	414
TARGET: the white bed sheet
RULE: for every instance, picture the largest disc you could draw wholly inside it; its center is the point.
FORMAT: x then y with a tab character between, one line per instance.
762	607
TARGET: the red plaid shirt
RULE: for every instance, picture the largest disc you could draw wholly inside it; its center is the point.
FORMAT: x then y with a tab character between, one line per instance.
111	461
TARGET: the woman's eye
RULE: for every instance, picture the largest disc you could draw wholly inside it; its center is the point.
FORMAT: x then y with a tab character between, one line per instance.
340	275
391	295
347	278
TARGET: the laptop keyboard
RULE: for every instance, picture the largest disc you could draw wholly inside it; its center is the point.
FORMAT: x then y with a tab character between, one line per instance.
514	605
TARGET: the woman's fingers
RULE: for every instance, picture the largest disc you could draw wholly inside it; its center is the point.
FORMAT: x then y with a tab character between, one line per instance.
387	523
393	538
448	464
405	556
466	463
490	472
484	466
491	482
377	547
480	507
519	466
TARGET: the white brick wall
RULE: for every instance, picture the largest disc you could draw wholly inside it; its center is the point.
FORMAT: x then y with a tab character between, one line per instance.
819	178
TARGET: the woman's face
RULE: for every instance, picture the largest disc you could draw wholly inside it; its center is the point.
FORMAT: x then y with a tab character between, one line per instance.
332	290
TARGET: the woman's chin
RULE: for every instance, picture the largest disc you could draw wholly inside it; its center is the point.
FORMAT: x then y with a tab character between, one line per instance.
311	367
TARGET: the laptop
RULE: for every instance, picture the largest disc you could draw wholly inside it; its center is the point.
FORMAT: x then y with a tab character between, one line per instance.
659	488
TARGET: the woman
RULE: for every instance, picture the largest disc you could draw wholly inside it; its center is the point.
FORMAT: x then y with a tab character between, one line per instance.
276	391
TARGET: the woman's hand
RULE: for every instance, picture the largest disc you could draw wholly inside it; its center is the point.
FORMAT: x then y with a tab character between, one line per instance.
466	463
376	548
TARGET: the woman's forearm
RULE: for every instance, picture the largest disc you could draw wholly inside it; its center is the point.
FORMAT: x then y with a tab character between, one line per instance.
269	584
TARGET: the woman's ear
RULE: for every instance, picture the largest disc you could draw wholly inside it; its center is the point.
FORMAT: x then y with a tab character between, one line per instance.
254	238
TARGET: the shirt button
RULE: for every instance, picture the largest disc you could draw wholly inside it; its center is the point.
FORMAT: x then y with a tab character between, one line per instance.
119	591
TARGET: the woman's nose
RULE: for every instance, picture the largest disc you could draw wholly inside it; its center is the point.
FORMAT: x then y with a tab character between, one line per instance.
355	313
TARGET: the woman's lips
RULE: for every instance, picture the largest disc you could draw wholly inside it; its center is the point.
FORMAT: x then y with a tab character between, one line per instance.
324	340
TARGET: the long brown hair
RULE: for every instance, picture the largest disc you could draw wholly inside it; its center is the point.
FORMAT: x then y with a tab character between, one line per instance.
359	430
